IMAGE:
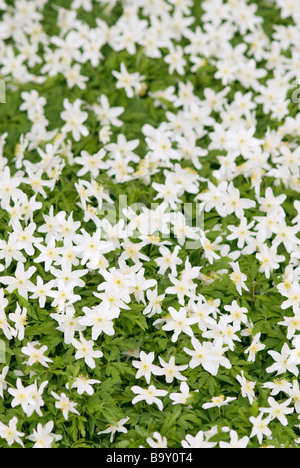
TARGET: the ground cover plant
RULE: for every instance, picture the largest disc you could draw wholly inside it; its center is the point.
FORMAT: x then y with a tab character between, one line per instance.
149	223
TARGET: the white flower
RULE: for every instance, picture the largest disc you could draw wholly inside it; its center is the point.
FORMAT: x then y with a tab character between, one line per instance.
278	385
145	366
8	331
293	298
179	323
20	395
171	371
68	324
235	442
100	318
183	397
284	361
74	118
218	402
91	163
10	432
35	400
85	351
168	260
41	291
21	281
43	436
175	60
150	395
3	383
64	404
207	354
255	346
105	134
237	313
238	278
247	387
242	232
112	429
201	440
260	427
28	397
131	82
278	410
36	355
83	385
160	442
155	303
222	330
105	114
269	260
294	393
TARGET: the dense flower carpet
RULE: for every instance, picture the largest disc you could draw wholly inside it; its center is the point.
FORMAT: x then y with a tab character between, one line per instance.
149	223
